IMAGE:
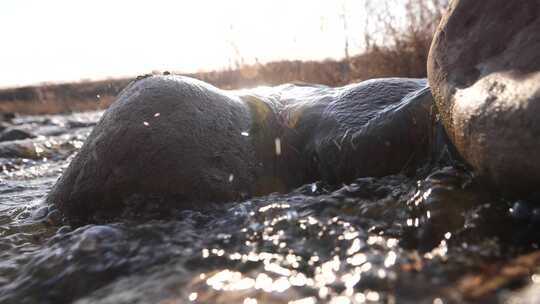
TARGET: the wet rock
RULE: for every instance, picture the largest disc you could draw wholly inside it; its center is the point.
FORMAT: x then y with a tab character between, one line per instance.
448	177
26	149
95	237
74	124
373	128
535	216
50	130
170	136
439	208
484	71
40	213
9	116
182	138
3	126
15	134
54	217
18	149
64	230
521	211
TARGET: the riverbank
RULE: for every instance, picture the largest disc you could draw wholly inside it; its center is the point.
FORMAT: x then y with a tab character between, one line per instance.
98	95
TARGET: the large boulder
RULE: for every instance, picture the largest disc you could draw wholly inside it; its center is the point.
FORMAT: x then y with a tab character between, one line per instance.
193	143
166	135
484	71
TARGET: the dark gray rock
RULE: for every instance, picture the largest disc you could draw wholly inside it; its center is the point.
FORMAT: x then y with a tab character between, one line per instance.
74	124
374	128
10	134
484	70
50	130
8	116
40	213
3	126
182	138
22	149
169	136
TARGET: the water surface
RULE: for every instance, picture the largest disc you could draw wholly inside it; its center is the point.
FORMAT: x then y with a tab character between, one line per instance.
434	237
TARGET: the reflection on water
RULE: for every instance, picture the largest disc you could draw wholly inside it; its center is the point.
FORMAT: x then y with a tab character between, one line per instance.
394	239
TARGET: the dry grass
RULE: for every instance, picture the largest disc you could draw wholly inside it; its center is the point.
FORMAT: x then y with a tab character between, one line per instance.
61	98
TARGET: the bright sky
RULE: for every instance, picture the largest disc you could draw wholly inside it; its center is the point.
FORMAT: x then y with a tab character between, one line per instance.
70	40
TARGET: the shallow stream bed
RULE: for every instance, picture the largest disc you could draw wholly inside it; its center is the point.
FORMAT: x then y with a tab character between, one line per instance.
434	237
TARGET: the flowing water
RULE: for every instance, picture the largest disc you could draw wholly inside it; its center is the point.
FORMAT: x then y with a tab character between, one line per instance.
435	237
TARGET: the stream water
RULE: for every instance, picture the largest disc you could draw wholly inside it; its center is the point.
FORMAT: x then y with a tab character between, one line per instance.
434	237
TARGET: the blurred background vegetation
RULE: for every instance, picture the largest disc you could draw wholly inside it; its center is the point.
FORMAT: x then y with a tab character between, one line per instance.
396	39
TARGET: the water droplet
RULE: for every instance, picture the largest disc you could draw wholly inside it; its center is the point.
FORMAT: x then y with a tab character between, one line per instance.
390	259
205	253
277	143
355	247
250	301
373	296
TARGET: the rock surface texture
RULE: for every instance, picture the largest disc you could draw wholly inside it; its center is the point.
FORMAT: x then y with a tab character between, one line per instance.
484	71
185	139
10	134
